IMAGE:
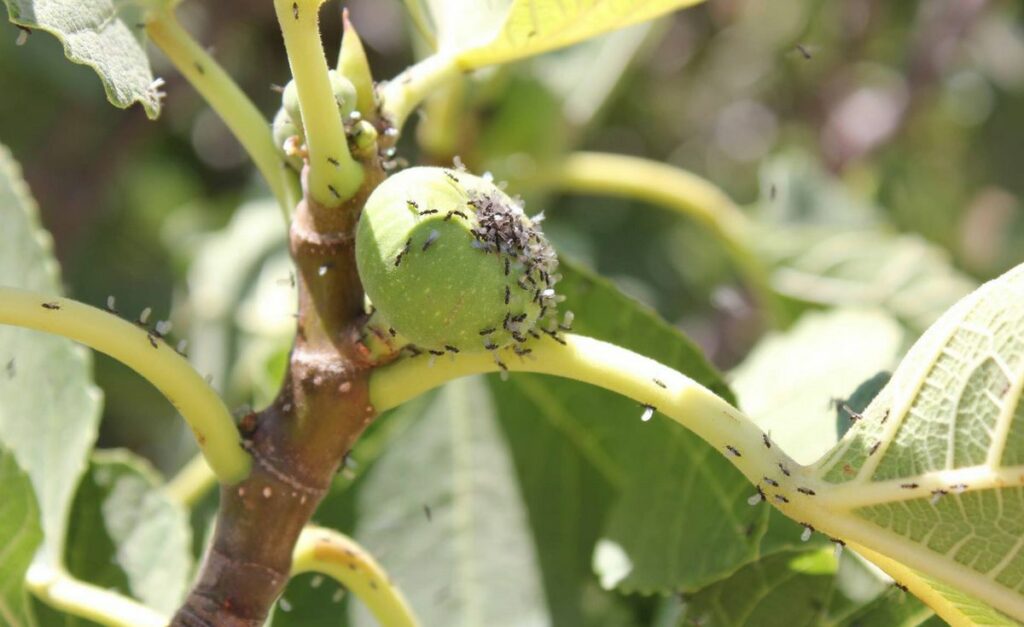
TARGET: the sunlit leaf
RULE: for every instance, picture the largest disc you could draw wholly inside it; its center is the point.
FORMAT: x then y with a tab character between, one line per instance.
441	511
49	409
932	473
128	535
20	536
106	35
499	31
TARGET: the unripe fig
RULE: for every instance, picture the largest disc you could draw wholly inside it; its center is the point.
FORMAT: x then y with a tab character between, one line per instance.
452	263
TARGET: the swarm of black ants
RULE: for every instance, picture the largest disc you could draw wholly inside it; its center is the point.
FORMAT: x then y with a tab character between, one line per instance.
499	227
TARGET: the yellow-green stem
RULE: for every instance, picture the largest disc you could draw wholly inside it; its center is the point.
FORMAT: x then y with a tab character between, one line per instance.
142	351
612	367
334	176
225	97
678	190
333	554
192	482
400	96
63	592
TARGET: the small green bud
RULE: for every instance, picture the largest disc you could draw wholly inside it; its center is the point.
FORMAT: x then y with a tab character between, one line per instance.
344	96
364	139
287	138
451	262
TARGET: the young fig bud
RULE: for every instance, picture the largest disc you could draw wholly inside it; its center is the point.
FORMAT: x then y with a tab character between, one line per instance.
286	136
344	95
452	263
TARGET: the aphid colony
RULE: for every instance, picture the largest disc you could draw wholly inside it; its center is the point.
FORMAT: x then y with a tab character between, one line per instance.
451	263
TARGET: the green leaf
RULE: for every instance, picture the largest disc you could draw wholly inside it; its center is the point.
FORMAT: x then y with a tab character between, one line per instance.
20	536
469	560
105	35
499	31
128	535
799	589
932	473
789	380
49	409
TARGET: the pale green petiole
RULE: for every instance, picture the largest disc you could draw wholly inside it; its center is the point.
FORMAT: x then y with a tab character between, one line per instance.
142	351
401	95
60	590
331	553
232	105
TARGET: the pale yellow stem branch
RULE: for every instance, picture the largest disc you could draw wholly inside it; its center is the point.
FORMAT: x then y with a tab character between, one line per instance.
400	96
63	592
225	97
331	553
139	349
192	482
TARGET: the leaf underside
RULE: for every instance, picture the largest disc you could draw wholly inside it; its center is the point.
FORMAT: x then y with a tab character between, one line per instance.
945	478
106	35
49	408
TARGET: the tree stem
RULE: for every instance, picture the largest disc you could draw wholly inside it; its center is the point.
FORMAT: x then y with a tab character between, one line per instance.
232	105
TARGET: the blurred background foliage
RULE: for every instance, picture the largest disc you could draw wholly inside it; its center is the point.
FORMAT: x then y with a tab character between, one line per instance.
876	144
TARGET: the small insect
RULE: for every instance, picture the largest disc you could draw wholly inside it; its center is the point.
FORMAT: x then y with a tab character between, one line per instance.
660	383
431	238
874	447
506	268
152	339
403	252
489	345
959	488
732	450
427	512
182	347
12	369
555	337
854	416
839	544
450	348
295	10
806	534
771	482
519	318
522	352
807	491
23	35
519	337
804	51
909	486
162	328
455	213
451	176
767	441
783	468
648	412
111	305
392	332
144	316
487	331
781	499
508	294
51	306
885	416
900	586
501	364
507	320
756	498
435	352
936	495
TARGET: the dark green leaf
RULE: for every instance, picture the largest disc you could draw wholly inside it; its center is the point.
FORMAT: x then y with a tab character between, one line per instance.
20	536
